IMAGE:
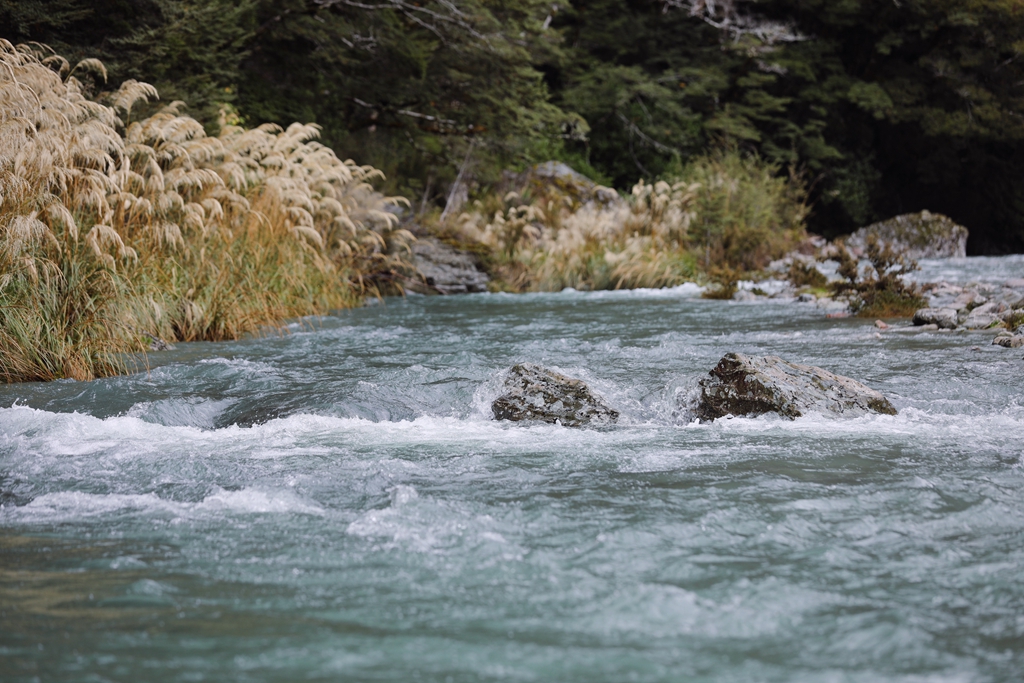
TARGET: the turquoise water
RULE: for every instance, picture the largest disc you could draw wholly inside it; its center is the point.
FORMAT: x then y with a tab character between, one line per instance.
334	504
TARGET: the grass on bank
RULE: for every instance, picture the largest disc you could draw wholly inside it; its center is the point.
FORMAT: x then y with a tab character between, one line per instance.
114	230
723	215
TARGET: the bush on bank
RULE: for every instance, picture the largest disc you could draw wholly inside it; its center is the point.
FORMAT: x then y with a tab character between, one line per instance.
114	230
722	215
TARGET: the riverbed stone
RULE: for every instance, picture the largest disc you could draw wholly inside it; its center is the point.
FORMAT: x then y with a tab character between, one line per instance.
918	235
753	385
1009	341
983	317
445	269
533	392
945	318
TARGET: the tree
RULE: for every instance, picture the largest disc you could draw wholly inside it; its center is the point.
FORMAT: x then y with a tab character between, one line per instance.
410	87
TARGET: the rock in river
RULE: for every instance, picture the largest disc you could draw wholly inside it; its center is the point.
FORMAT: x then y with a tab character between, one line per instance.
945	318
532	392
749	385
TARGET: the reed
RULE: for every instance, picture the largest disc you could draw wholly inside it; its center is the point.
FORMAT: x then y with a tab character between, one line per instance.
114	230
724	212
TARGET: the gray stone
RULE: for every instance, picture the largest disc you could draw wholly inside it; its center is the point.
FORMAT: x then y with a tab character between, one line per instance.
918	235
983	317
444	269
1013	298
751	385
945	318
1009	341
556	180
155	342
966	299
532	392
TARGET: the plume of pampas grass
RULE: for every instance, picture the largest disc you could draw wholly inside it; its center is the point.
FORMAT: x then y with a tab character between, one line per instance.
724	211
113	230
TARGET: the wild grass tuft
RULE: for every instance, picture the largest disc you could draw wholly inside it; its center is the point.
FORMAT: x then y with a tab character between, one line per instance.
114	230
722	212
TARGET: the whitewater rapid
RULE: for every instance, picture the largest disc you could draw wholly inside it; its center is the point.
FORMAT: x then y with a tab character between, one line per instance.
335	503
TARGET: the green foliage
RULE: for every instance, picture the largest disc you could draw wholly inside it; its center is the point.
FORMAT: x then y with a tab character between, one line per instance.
806	275
411	87
886	107
748	213
191	51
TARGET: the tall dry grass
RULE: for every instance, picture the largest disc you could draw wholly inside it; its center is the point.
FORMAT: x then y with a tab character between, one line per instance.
724	213
114	230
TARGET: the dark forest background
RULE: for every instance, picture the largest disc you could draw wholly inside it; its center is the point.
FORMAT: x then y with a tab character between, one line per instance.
884	106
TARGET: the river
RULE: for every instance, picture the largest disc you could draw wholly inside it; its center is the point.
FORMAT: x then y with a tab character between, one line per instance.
334	504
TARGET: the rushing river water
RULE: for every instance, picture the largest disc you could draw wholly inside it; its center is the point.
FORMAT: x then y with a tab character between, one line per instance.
334	504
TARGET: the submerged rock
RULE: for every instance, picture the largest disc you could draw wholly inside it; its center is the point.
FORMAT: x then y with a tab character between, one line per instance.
749	385
918	235
945	318
532	392
445	269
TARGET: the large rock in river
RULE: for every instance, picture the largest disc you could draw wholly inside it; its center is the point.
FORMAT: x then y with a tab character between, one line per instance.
749	385
532	392
918	235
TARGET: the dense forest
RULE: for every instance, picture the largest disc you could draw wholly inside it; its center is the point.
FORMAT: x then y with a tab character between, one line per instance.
883	106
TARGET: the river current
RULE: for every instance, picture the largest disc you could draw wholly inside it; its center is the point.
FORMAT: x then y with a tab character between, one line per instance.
335	504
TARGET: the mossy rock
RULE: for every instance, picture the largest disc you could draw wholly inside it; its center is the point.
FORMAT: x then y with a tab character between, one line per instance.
752	385
533	392
918	235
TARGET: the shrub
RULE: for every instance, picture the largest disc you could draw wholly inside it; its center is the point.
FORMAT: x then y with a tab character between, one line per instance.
802	274
879	290
722	211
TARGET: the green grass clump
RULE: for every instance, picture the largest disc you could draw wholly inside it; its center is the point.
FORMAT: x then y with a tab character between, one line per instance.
725	210
114	231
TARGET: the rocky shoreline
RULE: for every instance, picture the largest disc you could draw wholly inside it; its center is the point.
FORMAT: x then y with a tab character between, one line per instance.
997	308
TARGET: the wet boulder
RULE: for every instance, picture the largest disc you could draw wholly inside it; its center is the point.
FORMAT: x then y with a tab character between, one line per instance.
944	318
1009	341
445	269
533	392
753	385
918	235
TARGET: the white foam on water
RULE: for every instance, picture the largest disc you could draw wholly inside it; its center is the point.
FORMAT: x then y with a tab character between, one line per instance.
687	290
424	524
181	412
65	506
